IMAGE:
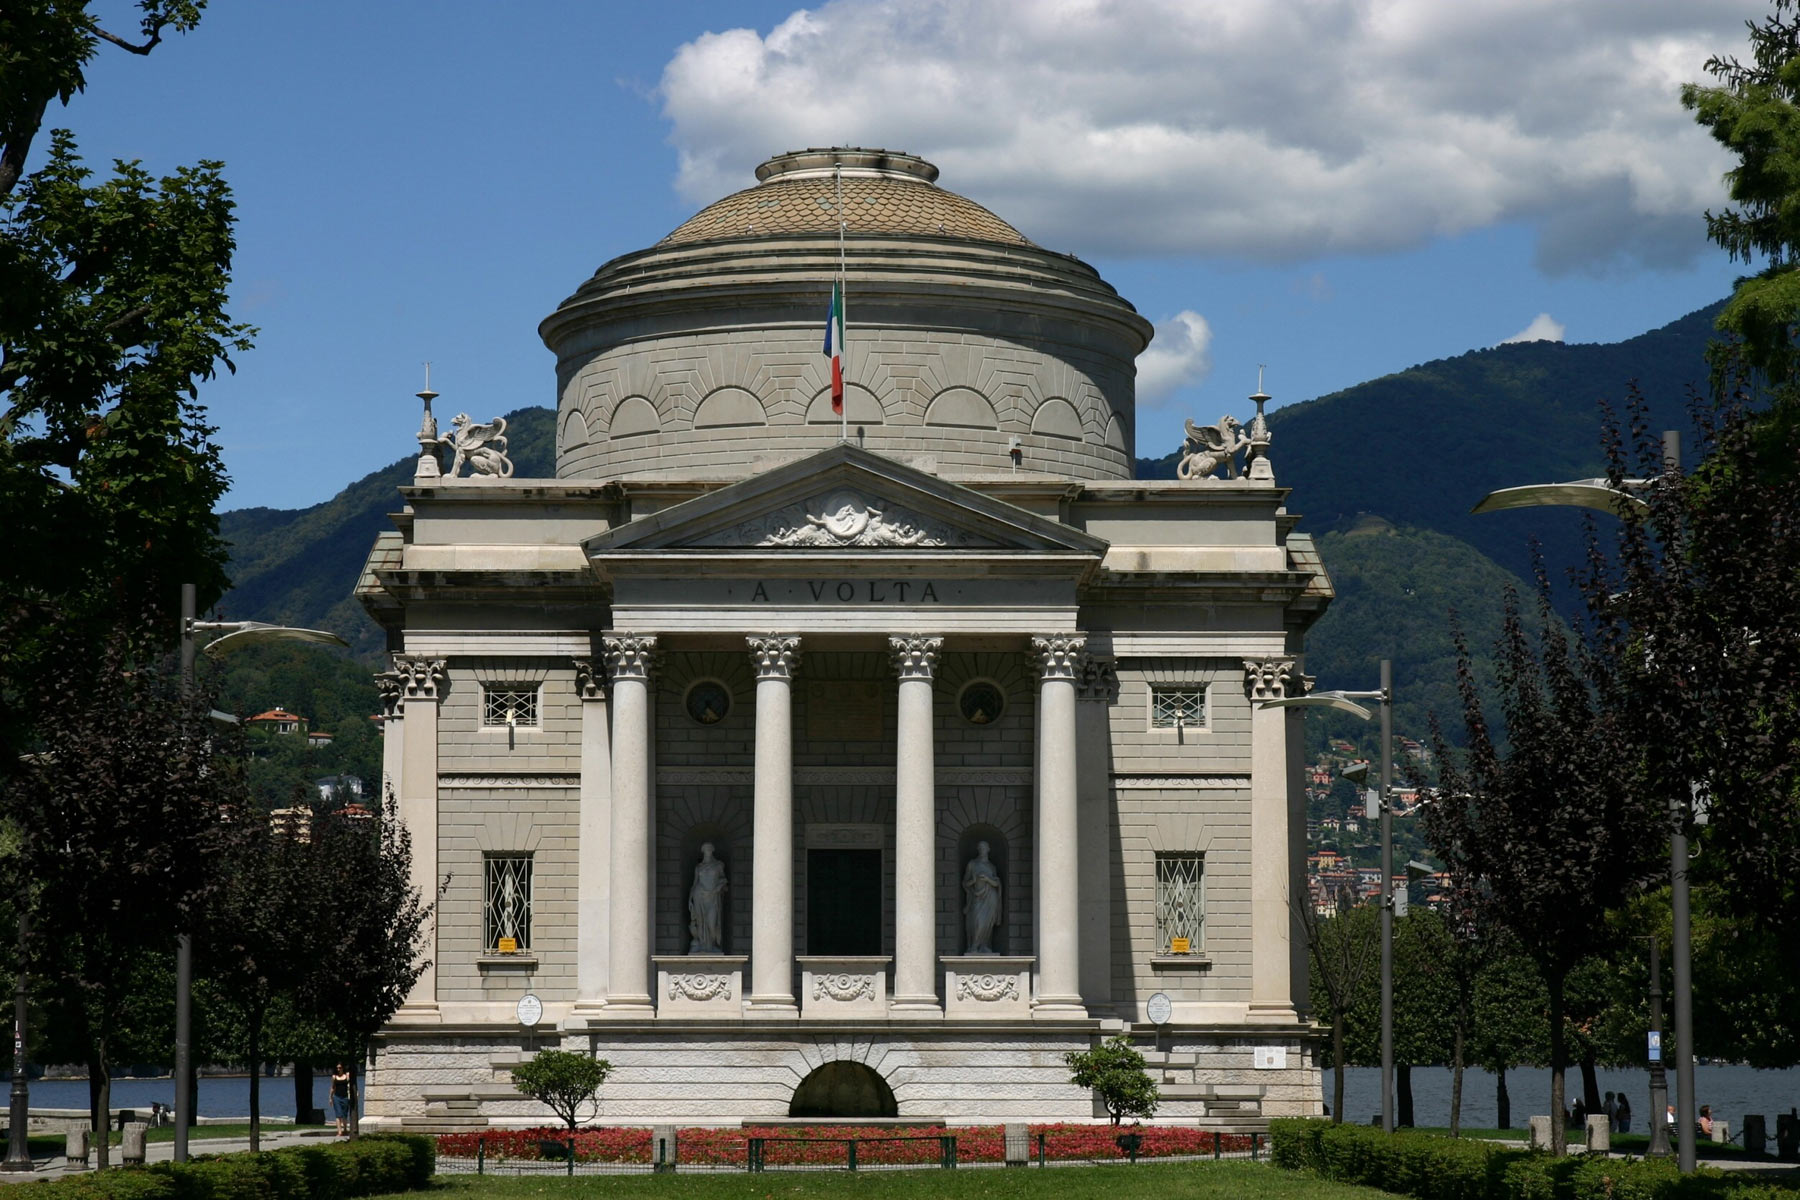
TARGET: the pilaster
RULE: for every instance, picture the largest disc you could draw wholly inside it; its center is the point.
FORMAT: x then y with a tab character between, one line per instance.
420	681
1271	962
593	893
1095	692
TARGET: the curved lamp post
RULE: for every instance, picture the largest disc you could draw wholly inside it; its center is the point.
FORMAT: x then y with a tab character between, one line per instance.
237	635
1600	494
1345	702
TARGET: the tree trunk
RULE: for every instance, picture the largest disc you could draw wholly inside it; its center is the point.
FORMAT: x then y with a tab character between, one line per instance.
1559	1130
103	1129
1403	1095
1337	1064
303	1089
356	1061
1590	1085
255	1082
1456	1082
1502	1101
95	1120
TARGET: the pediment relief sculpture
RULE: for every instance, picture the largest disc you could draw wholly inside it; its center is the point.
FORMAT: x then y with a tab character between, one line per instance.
845	518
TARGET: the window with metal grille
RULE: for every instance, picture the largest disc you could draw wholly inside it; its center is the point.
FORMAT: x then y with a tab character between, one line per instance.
508	706
1180	903
1183	705
508	902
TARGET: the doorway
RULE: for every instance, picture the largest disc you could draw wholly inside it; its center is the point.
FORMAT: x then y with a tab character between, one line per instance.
843	902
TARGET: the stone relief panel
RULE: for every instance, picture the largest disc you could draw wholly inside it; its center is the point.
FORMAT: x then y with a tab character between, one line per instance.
860	407
962	408
728	408
634	415
1056	417
845	518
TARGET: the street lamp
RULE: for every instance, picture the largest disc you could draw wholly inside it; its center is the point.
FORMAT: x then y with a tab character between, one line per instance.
1600	494
1345	702
237	634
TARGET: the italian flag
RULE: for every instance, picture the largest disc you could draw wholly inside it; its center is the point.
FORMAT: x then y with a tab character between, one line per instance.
834	346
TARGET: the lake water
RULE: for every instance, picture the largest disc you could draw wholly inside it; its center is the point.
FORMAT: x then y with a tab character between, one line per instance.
216	1095
1731	1090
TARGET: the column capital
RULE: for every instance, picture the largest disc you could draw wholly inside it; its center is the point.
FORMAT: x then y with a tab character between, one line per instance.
1059	655
1099	679
419	675
630	655
915	657
393	693
774	655
1273	679
590	678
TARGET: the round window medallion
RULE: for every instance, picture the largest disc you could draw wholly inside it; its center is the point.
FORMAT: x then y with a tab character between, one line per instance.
981	703
708	701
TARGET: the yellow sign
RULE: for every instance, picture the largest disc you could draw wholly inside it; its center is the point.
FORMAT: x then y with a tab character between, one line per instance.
1178	946
511	945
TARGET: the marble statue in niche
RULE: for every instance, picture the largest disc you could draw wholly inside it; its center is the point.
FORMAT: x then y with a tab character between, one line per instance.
981	904
706	904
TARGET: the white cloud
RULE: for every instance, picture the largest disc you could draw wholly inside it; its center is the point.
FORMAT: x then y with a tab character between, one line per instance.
1179	355
1543	328
1260	129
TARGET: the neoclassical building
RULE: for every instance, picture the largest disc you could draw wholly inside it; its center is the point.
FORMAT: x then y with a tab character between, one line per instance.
853	766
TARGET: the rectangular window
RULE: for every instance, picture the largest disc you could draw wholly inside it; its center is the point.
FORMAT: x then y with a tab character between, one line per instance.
1180	903
508	903
504	705
1178	705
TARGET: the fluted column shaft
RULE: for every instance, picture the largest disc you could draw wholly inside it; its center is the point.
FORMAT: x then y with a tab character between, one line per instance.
775	657
628	661
1059	835
915	826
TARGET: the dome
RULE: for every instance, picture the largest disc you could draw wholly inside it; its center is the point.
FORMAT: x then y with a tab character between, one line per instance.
885	193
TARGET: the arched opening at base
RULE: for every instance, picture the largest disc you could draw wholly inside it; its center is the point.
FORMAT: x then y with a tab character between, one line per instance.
843	1089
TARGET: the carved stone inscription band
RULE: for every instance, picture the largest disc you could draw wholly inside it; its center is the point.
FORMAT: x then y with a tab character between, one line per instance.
776	657
628	661
915	832
1059	835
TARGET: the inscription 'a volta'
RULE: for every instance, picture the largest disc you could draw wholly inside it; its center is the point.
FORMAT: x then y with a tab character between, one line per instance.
861	591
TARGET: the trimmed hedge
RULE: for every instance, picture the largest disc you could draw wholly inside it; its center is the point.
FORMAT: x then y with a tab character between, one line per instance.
1434	1167
368	1166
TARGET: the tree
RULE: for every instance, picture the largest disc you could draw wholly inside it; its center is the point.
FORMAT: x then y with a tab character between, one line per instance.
360	895
1548	835
118	816
1344	951
564	1081
1115	1072
1508	1007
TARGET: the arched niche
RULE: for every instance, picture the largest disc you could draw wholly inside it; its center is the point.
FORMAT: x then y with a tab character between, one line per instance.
574	430
844	1089
962	408
1057	418
998	854
720	838
1115	433
729	408
860	407
634	415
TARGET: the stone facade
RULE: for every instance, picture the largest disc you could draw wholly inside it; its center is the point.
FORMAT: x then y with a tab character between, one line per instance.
845	666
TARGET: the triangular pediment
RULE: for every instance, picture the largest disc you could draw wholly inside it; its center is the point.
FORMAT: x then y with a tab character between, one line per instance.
845	498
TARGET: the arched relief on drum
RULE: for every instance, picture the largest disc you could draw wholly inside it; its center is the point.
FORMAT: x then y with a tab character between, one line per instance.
573	431
635	415
1115	434
729	408
962	408
860	407
1057	418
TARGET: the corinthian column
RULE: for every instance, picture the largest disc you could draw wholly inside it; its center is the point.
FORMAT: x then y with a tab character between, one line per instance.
1271	995
1058	850
628	662
915	828
776	657
420	679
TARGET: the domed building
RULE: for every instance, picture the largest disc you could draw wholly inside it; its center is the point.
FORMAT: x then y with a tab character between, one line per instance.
847	753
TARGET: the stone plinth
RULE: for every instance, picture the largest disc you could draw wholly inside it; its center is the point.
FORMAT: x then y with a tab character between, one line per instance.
1599	1133
700	985
980	986
843	986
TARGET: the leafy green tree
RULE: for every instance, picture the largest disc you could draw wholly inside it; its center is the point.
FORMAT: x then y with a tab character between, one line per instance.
563	1080
1344	951
1116	1073
1509	1023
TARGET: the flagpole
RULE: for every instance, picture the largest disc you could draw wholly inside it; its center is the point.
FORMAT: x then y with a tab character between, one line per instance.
837	172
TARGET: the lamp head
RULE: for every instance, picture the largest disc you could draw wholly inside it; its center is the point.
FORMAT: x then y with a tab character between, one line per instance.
1357	773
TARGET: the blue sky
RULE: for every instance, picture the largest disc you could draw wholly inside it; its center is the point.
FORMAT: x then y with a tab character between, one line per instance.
1337	188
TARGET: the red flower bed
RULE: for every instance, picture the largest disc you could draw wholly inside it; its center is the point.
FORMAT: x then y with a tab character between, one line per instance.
824	1145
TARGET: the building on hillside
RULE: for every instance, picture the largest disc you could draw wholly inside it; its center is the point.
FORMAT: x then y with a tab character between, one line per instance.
318	739
277	720
853	764
342	788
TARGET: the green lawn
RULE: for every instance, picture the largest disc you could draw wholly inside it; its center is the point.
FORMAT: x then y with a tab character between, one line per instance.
1171	1181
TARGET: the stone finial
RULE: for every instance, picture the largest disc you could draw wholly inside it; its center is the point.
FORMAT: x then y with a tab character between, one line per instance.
915	657
630	655
482	447
419	675
775	655
427	467
1099	679
590	679
1271	678
1059	655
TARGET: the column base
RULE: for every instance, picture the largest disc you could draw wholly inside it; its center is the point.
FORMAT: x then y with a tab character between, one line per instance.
1059	1008
422	1012
626	1008
1271	1014
777	1007
915	1008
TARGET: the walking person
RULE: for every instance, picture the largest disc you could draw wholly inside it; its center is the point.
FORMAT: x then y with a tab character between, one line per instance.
341	1098
1623	1114
1611	1108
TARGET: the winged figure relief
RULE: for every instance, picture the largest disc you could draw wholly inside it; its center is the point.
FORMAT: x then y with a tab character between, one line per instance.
1210	447
483	447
